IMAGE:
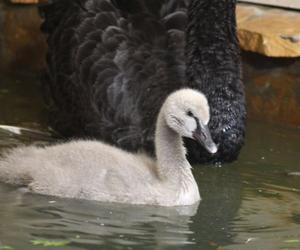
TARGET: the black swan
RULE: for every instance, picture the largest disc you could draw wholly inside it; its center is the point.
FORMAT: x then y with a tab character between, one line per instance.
112	63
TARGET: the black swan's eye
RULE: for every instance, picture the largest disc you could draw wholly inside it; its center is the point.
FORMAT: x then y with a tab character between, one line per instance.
189	113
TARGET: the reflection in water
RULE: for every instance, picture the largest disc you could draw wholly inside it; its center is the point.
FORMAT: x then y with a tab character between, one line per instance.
221	192
89	224
267	218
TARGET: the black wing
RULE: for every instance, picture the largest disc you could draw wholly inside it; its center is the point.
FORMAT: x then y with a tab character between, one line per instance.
111	64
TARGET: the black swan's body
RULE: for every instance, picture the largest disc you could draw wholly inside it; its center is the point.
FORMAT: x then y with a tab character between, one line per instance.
111	64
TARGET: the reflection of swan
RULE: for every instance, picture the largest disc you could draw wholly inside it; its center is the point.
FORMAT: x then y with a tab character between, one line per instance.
94	170
221	192
112	63
112	226
98	224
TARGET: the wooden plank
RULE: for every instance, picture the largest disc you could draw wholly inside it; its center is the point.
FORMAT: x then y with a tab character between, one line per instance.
293	4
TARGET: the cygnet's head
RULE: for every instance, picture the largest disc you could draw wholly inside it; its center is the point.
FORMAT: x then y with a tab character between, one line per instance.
186	111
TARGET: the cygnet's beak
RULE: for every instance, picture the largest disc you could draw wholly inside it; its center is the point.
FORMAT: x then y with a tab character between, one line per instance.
203	136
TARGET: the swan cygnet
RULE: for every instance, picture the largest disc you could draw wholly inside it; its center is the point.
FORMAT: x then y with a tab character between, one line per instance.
93	170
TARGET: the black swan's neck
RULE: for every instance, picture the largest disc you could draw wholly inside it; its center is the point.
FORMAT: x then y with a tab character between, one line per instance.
212	21
212	47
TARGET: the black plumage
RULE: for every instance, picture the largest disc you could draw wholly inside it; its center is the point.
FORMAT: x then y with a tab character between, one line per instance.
112	63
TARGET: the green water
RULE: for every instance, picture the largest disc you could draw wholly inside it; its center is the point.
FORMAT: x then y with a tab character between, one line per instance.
251	204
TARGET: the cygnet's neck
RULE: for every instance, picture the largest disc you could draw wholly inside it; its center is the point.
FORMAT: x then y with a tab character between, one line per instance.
170	152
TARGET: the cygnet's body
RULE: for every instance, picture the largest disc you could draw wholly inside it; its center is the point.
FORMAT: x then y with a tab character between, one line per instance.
97	171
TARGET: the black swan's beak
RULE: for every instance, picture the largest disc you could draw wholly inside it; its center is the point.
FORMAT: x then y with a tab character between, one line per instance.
203	136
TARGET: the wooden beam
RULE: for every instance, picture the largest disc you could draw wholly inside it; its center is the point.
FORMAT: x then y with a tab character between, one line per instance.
292	4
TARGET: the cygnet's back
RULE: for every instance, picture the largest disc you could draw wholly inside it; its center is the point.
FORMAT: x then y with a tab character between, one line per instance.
97	171
80	169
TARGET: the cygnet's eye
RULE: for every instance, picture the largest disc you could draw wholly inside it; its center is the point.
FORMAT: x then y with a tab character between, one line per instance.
189	113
